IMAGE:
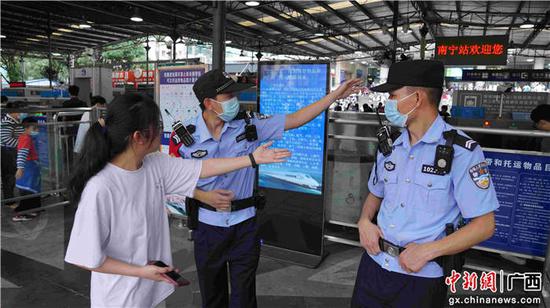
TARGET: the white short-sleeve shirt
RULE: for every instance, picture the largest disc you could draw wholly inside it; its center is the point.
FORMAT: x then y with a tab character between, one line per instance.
121	214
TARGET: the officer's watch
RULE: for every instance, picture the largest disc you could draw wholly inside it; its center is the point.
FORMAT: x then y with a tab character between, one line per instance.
252	160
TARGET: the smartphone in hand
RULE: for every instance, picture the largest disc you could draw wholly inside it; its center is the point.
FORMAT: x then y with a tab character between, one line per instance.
174	277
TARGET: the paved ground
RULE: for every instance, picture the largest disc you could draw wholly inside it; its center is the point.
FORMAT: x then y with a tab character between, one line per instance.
34	274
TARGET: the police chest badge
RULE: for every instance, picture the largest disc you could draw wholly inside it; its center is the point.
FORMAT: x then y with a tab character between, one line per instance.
261	116
390	166
199	153
480	175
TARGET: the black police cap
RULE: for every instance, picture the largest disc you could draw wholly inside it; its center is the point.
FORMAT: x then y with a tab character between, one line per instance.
414	73
217	82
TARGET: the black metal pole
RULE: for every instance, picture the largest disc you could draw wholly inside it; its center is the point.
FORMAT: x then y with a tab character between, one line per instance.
49	51
147	48
218	39
394	39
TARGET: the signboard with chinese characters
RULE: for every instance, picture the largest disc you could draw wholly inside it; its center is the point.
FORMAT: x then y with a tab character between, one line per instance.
472	50
490	101
174	90
506	75
134	77
522	183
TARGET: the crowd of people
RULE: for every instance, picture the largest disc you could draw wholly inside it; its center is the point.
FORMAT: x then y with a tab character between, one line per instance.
20	158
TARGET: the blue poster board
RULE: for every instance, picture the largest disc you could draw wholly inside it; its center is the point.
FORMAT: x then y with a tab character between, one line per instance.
291	224
286	88
522	183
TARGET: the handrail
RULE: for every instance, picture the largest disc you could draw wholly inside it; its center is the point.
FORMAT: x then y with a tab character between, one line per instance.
47	110
43	193
493	131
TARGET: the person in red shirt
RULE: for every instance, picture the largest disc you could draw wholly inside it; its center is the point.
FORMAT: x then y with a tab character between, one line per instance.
28	170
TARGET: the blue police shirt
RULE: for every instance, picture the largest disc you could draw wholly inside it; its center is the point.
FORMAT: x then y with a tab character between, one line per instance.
231	144
417	204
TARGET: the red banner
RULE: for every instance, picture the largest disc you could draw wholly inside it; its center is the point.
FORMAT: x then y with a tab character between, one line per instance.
135	77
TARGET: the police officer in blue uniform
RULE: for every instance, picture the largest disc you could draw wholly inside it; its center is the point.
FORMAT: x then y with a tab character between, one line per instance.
226	240
429	177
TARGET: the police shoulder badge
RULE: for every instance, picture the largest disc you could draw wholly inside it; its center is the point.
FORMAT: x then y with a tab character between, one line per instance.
480	175
389	165
199	153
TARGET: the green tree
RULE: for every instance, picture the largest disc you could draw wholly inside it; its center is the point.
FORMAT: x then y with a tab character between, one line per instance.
10	63
130	51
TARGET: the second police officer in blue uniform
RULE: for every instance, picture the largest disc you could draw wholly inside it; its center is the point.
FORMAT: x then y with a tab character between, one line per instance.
225	239
432	175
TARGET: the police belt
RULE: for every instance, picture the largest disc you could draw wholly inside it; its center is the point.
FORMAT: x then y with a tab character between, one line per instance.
237	205
395	250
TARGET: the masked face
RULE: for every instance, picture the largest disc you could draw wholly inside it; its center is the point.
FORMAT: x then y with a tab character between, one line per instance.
393	114
230	109
21	116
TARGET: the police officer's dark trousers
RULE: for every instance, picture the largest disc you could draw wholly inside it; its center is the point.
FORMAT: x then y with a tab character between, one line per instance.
376	287
219	250
9	159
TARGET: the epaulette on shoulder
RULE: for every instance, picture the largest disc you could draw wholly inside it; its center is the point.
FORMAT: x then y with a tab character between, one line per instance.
463	141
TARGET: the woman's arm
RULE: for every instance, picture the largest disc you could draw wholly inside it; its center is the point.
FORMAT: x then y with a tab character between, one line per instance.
117	267
262	155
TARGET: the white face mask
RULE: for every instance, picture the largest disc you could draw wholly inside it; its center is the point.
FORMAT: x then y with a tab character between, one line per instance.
393	114
230	109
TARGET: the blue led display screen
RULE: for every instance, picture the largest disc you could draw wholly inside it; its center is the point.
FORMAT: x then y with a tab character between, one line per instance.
284	89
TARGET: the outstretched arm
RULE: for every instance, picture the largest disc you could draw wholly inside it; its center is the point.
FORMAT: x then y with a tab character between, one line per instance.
308	113
262	155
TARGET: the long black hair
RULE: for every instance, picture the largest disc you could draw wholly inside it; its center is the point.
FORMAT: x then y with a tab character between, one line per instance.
126	114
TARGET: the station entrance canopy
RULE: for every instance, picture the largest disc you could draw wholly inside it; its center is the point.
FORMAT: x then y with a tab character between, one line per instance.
308	28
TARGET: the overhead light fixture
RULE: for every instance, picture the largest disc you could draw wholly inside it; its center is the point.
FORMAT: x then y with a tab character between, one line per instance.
136	17
32	39
363	62
57	33
527	25
65	30
228	42
252	3
85	24
351	62
357	52
2	36
530	60
319	31
57	54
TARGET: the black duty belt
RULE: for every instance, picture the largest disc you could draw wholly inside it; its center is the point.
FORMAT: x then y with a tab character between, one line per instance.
237	205
390	248
395	250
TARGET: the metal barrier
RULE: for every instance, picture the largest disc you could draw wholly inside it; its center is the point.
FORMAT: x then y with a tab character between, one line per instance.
58	129
493	131
358	130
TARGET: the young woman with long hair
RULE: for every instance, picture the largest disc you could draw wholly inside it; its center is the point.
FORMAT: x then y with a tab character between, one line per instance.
119	184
